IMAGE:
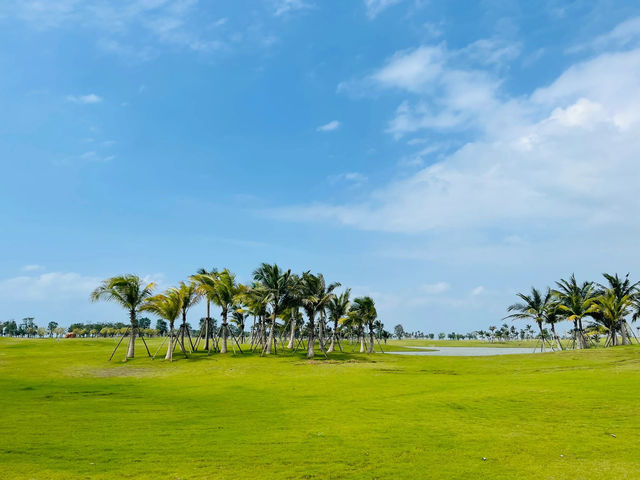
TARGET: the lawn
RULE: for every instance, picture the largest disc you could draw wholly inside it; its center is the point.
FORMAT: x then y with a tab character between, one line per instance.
68	413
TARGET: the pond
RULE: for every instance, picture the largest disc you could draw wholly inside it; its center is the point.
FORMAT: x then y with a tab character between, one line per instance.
466	351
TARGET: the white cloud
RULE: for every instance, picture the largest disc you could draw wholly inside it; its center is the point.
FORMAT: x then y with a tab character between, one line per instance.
283	7
374	7
626	34
116	24
85	99
354	178
329	127
48	286
435	288
32	268
477	291
564	157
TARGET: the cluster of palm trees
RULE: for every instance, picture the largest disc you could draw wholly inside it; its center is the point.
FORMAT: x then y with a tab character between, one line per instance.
592	308
276	299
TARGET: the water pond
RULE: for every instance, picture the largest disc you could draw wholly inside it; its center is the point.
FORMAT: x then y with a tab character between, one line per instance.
465	351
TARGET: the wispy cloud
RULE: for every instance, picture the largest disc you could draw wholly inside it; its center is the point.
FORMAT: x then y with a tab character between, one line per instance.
626	34
87	99
354	178
32	268
283	7
374	7
329	127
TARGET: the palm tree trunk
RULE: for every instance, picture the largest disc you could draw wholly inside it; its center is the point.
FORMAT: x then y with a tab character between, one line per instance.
371	339
555	336
333	337
541	336
623	333
132	337
362	349
223	349
311	347
292	334
273	325
169	355
206	326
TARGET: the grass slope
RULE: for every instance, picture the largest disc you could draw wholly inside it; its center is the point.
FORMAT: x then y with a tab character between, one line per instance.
68	413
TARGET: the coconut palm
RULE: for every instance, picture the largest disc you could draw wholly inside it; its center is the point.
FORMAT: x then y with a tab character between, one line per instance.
338	308
365	309
316	297
207	323
167	306
279	289
575	302
190	295
253	298
552	316
220	288
625	293
130	292
612	311
533	306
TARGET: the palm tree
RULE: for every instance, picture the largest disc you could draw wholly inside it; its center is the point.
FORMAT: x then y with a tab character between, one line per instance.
365	309
625	292
253	298
552	316
220	288
130	292
533	306
207	323
279	288
190	295
316	296
612	311
167	306
338	308
575	302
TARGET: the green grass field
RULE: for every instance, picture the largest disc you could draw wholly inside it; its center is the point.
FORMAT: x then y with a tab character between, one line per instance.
67	413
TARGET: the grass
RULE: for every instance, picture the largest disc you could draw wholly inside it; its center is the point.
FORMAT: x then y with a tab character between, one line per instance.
67	413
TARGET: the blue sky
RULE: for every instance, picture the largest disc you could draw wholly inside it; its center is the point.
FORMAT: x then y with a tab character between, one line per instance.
439	156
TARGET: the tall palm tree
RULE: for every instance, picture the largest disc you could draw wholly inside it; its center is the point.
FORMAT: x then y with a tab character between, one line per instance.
533	306
316	296
167	306
338	309
220	288
279	289
130	292
190	295
575	302
365	308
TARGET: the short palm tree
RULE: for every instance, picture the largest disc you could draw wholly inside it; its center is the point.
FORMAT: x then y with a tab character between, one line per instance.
130	292
167	306
575	302
338	308
625	293
279	288
220	288
315	298
190	295
365	309
533	306
612	311
207	323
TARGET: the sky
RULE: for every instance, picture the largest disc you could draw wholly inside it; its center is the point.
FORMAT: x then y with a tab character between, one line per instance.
438	156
